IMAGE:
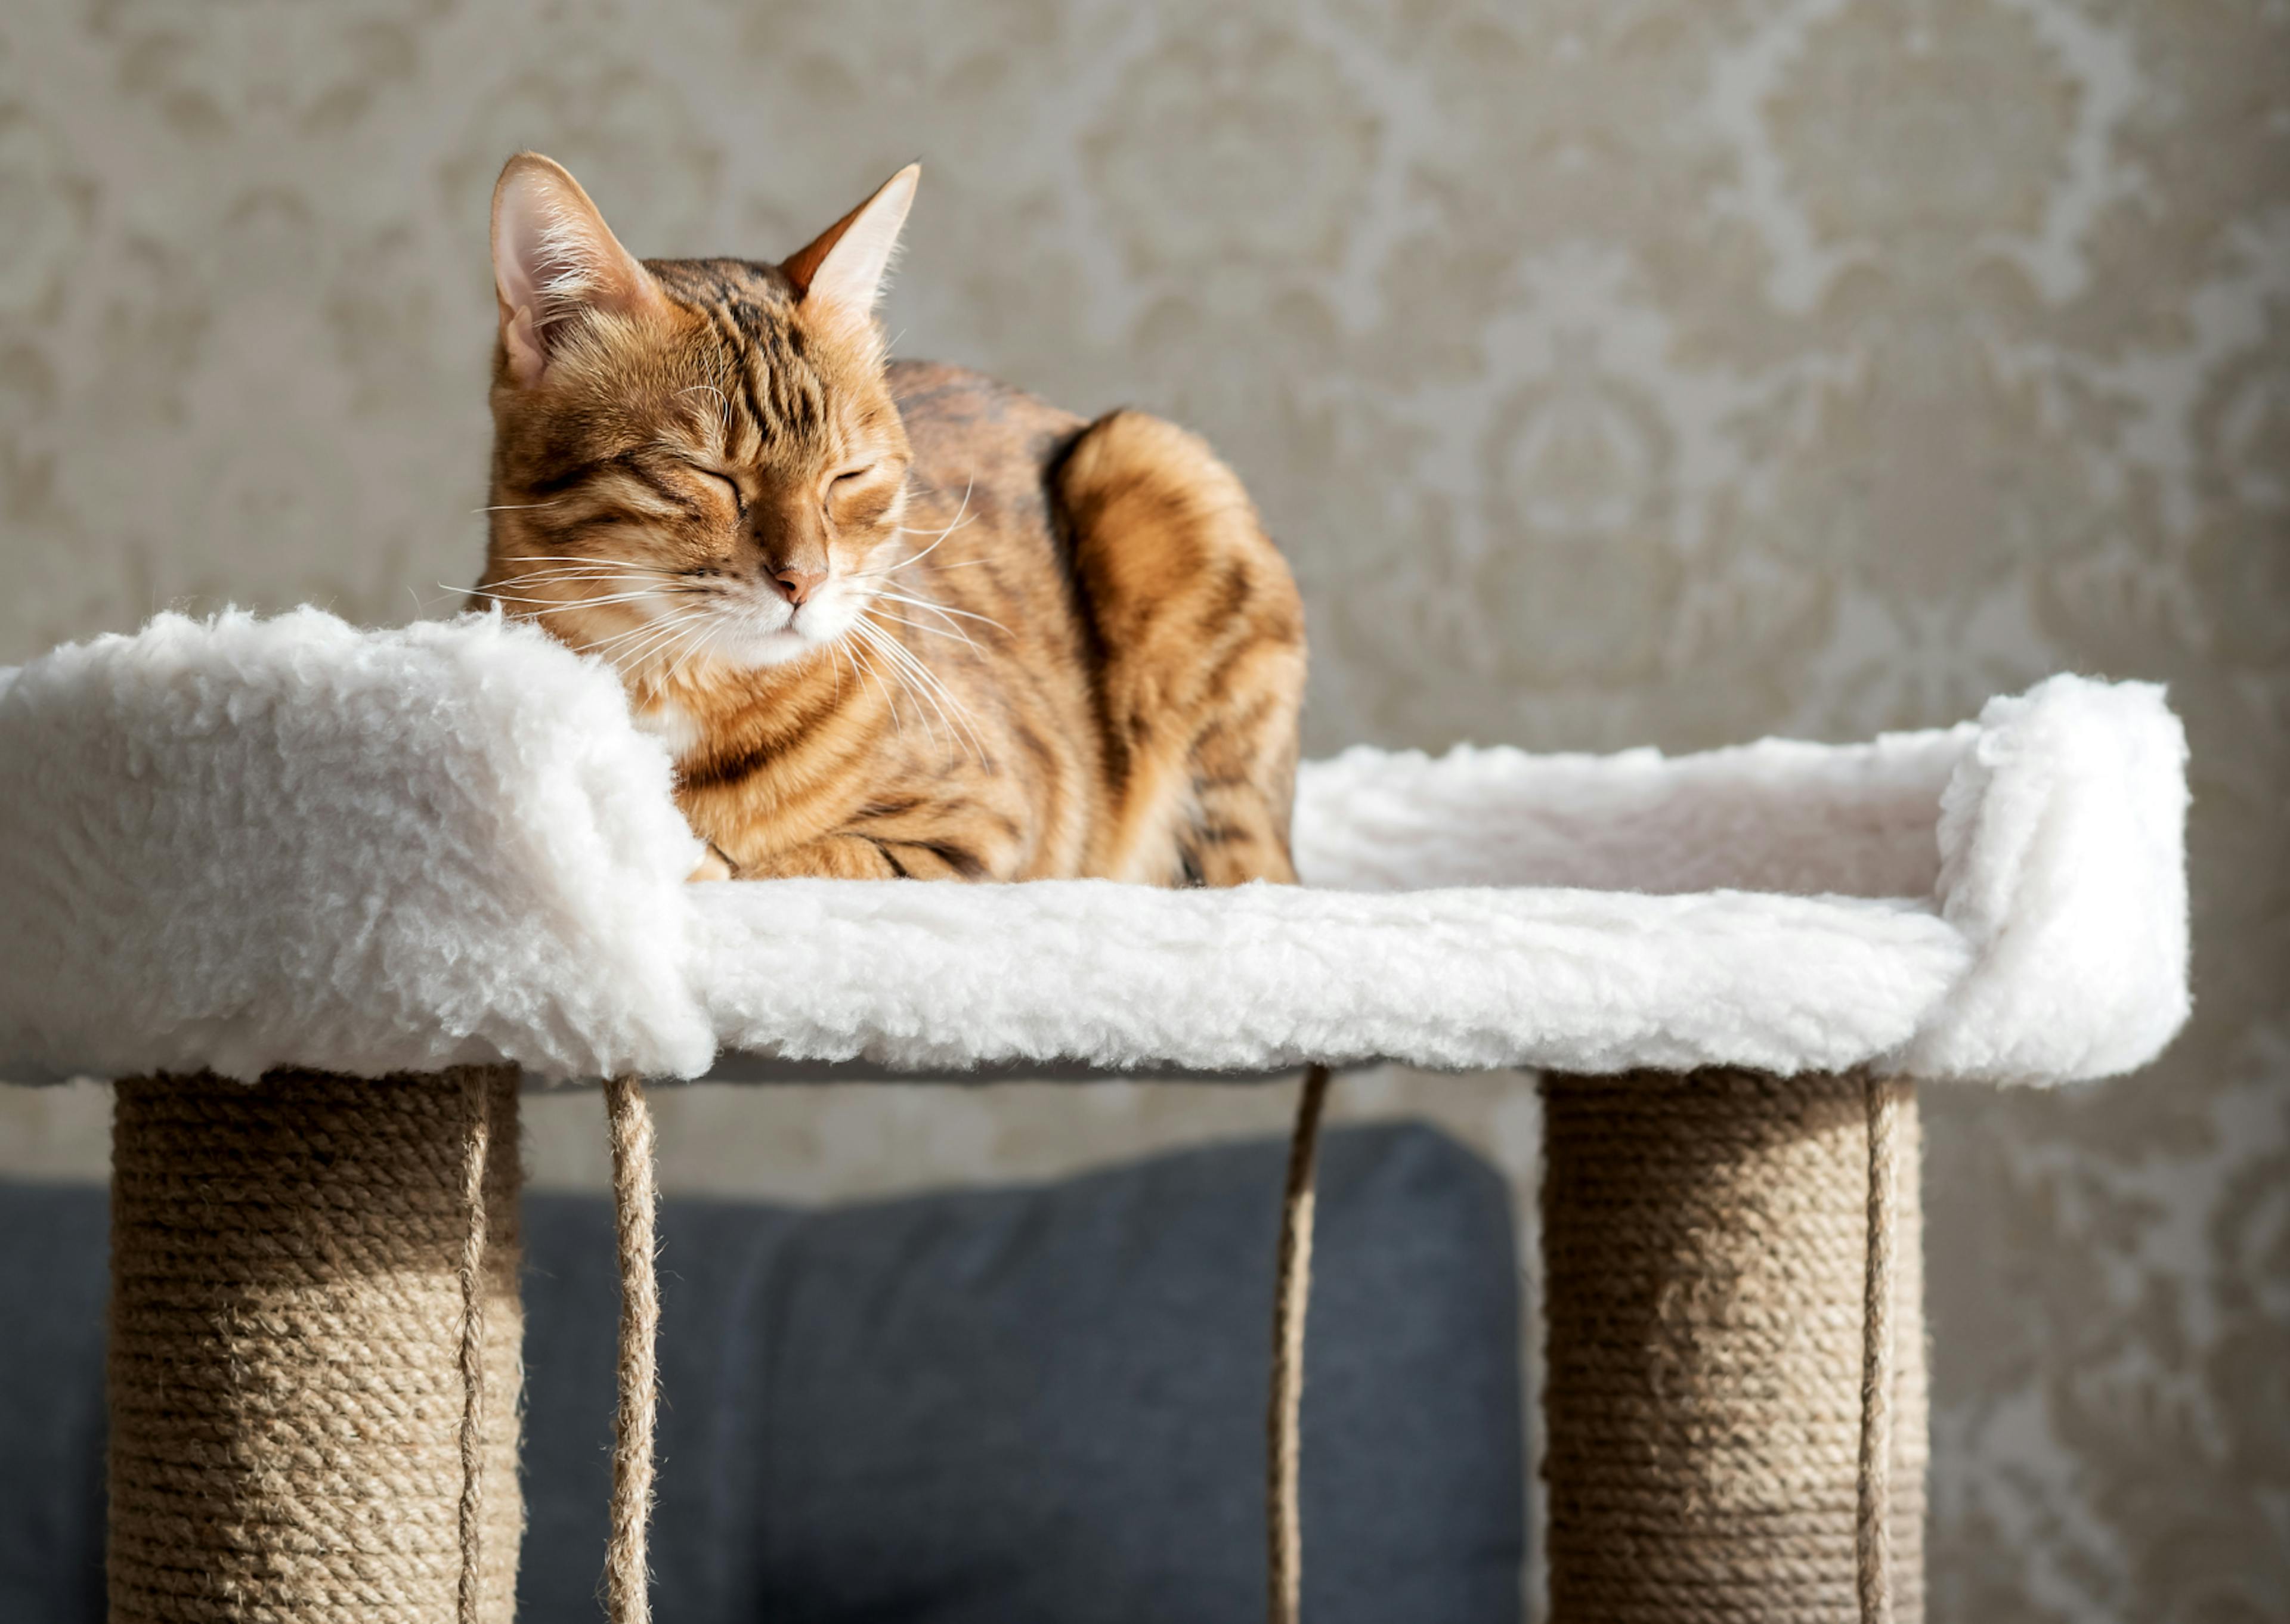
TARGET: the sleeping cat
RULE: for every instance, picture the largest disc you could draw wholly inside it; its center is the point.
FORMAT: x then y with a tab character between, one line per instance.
890	620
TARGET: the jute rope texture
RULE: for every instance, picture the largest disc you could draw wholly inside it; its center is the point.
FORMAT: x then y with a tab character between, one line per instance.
636	1203
1713	1244
313	1362
291	1263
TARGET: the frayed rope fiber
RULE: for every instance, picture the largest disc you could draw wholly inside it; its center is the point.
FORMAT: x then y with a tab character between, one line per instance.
314	1361
1734	1398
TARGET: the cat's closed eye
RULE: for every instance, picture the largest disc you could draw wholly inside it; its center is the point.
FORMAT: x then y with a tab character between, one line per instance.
717	475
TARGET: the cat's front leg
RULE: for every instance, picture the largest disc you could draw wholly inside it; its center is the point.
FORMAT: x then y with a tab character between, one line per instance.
829	857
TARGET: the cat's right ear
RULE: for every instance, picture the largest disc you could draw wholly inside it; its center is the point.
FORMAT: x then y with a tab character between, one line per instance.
842	267
555	258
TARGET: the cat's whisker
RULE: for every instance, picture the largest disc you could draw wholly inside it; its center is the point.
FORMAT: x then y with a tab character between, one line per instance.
656	656
909	563
668	663
959	523
515	506
952	630
860	662
674	629
961	722
961	513
584	570
577	572
843	651
930	687
671	624
921	668
540	580
628	657
616	639
676	614
905	564
591	559
898	675
638	636
566	603
924	626
693	644
938	608
704	643
901	672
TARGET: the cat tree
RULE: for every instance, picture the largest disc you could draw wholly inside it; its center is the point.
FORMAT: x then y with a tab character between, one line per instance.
441	858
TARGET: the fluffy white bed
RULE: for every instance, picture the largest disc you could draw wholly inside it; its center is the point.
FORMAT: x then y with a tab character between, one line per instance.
244	843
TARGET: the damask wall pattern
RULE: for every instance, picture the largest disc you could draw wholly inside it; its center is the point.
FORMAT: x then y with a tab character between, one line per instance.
1614	372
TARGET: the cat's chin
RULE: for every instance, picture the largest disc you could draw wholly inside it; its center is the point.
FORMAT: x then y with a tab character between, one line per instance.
810	631
772	648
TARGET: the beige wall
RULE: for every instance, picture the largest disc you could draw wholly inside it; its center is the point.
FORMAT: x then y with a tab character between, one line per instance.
1614	370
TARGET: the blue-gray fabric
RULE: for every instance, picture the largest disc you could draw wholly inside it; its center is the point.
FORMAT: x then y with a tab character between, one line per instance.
1031	1404
54	1276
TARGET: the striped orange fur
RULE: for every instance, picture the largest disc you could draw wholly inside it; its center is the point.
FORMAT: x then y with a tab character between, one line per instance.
892	620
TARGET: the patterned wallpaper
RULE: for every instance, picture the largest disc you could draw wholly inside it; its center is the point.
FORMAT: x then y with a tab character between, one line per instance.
1615	371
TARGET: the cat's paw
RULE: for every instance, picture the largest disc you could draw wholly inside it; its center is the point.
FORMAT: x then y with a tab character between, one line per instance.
714	866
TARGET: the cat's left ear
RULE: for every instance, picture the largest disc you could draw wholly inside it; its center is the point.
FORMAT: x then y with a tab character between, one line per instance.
844	266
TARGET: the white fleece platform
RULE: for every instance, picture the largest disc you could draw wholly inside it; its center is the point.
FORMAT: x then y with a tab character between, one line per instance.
240	843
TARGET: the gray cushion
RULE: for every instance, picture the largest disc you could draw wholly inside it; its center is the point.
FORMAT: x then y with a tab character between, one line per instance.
1009	1405
54	1276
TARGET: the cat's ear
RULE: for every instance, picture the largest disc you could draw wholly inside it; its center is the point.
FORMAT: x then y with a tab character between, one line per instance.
844	266
554	257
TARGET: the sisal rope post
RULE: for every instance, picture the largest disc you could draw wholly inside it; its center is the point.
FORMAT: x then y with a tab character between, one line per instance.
314	1363
636	1203
1711	1242
1292	1295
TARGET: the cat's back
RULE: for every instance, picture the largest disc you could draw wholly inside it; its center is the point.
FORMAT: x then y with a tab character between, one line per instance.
973	434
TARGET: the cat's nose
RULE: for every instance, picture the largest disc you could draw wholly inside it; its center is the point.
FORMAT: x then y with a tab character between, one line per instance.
797	586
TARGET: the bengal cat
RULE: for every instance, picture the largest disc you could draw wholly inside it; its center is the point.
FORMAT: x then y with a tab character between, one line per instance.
892	620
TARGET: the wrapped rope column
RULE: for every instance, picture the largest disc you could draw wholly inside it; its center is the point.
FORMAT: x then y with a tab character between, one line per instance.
296	1437
1707	1245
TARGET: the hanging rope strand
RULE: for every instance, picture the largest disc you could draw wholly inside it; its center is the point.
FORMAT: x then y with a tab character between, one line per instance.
476	1144
636	1199
1291	1288
1873	1533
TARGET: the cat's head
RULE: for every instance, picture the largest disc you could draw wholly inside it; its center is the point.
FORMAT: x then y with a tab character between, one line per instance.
693	458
